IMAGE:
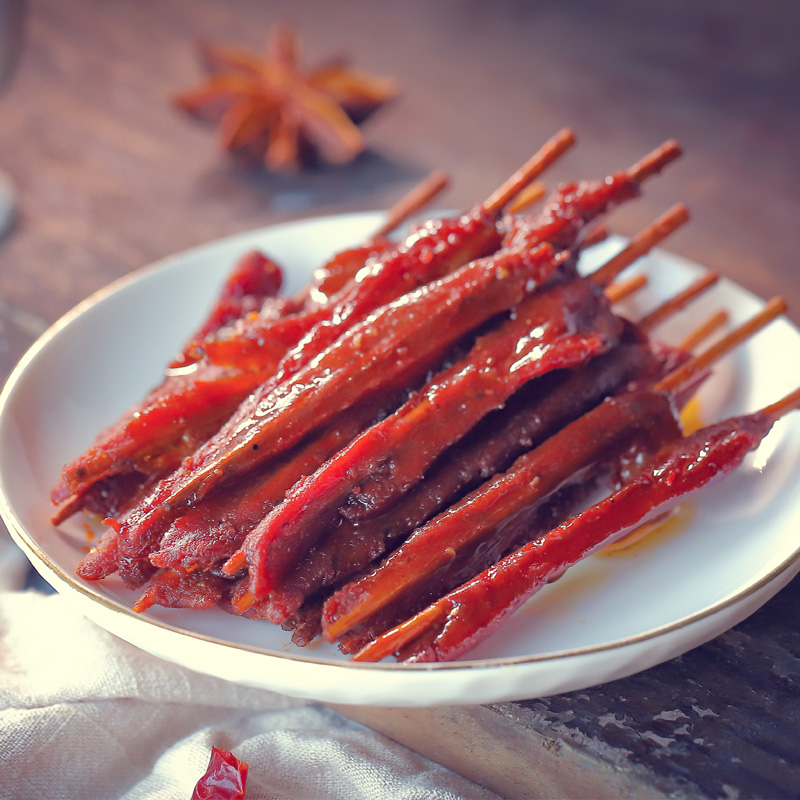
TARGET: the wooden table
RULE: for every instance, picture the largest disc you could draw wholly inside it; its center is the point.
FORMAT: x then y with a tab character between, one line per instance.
111	177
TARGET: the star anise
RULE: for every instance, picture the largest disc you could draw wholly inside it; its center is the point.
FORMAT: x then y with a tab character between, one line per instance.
270	110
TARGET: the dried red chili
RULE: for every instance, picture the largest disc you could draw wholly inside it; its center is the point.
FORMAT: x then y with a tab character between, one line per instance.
225	778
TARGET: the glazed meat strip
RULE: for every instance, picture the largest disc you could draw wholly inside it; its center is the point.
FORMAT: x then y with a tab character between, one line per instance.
559	327
327	280
566	216
386	461
251	288
197	396
432	548
601	204
531	416
486	520
538	411
385	351
151	437
209	533
456	623
213	529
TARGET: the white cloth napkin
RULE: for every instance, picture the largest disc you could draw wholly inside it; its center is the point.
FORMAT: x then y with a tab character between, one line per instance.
84	715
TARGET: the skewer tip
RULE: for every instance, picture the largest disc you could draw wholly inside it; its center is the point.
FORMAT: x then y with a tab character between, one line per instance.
790	402
551	151
686	372
704	330
430	186
655	161
642	243
679	301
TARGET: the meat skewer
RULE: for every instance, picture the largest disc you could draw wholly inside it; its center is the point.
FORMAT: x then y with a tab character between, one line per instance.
397	351
486	518
545	332
430	251
530	417
427	550
216	527
565	218
254	280
187	408
153	436
456	623
241	420
528	420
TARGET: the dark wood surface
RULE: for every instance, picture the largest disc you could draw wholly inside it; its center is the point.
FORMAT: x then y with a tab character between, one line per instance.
110	177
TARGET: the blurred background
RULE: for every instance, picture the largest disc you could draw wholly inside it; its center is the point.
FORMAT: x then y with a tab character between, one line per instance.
110	175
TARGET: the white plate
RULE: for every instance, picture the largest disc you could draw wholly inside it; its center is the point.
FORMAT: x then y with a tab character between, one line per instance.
608	617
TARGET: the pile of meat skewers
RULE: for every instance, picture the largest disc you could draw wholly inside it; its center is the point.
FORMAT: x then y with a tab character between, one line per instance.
400	456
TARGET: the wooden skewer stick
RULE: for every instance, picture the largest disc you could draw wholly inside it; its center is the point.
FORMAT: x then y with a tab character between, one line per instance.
391	641
641	244
783	406
551	151
654	162
624	289
419	196
700	334
693	367
527	197
679	301
597	234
